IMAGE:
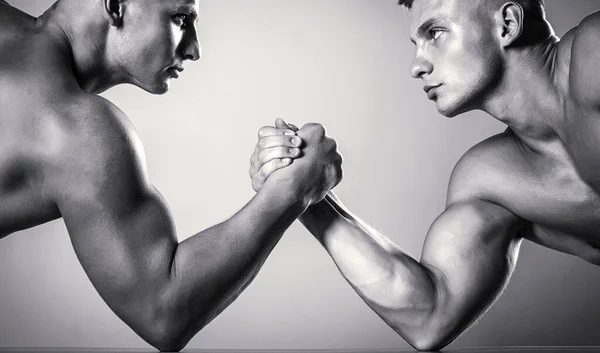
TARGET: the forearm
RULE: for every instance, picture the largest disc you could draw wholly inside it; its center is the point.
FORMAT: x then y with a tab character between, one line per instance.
396	286
213	267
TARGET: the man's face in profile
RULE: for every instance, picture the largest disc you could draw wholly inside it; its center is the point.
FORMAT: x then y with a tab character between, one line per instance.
457	55
156	37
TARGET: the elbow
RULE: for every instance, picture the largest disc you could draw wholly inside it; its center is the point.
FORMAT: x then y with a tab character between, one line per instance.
166	329
173	326
427	342
425	339
168	322
425	334
167	344
165	337
430	337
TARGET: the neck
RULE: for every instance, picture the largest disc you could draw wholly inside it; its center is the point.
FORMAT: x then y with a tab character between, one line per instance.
529	100
79	30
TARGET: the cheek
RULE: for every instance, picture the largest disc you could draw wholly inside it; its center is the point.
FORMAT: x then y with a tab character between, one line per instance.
158	42
467	62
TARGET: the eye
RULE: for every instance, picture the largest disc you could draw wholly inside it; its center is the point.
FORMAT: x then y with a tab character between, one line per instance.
435	33
180	20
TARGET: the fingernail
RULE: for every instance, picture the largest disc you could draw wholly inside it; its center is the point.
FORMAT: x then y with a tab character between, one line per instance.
289	133
286	160
294	150
296	141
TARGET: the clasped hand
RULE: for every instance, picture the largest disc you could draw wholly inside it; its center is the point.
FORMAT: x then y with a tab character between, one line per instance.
306	158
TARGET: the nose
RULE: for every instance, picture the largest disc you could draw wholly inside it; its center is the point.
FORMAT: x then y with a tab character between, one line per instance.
420	66
191	49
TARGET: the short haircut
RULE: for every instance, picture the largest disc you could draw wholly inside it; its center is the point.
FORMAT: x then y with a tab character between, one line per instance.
527	4
535	24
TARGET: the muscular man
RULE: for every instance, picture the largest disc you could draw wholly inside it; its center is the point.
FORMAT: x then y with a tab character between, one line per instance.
538	180
67	152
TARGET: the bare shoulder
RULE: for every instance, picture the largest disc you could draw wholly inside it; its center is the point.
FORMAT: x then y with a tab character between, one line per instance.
585	61
11	17
475	217
484	170
99	151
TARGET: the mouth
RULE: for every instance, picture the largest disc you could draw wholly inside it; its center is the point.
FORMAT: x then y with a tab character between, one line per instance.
174	71
430	90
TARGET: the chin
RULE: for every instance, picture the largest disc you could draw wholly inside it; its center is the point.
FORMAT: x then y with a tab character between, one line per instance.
161	90
446	110
450	109
155	85
158	88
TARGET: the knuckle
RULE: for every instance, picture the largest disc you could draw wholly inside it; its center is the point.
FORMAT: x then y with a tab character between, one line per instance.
340	175
320	130
262	173
279	140
263	131
284	151
314	131
291	140
262	143
263	155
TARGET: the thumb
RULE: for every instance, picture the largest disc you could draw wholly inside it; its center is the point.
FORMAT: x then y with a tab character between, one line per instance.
282	124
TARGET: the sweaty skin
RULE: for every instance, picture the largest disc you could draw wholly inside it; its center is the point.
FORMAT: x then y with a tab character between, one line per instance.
539	180
67	152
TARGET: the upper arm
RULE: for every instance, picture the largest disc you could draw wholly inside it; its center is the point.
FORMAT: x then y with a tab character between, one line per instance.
119	225
470	251
584	79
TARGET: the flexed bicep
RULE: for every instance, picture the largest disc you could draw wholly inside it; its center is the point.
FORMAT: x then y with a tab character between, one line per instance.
470	253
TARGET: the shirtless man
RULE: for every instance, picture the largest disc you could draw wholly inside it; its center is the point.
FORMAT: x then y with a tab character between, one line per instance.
67	152
538	180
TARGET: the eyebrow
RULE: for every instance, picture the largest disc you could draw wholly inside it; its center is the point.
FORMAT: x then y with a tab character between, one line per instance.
188	9
424	27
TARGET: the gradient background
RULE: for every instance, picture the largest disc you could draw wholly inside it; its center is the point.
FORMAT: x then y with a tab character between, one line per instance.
343	63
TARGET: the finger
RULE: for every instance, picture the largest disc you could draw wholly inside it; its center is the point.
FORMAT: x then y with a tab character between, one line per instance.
269	154
282	124
270	131
271	167
279	141
254	164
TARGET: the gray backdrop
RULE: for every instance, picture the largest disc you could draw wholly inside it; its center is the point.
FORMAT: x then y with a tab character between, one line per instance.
343	63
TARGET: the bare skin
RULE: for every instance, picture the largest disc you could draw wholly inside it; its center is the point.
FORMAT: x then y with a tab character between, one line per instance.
66	152
538	180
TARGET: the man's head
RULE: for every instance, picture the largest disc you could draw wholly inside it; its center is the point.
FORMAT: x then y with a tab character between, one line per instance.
150	39
142	42
463	47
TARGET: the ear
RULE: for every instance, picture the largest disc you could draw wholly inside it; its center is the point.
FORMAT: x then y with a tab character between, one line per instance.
113	11
510	16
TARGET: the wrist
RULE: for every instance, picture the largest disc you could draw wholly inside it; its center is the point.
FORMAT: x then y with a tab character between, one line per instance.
321	219
288	193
